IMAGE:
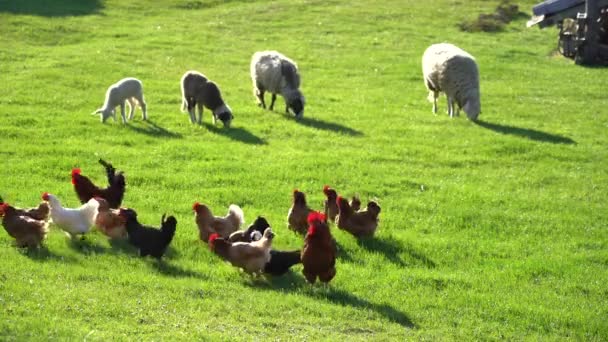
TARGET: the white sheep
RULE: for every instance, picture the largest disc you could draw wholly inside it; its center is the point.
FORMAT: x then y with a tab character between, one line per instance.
277	74
198	91
449	69
129	90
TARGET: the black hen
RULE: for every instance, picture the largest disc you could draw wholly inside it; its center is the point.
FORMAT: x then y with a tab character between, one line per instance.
281	261
259	225
149	240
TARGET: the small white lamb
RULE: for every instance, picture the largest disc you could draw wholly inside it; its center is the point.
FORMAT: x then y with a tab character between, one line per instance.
447	68
127	89
198	91
277	74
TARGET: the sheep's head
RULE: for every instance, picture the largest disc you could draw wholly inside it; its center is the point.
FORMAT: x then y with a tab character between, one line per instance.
105	113
472	107
297	106
226	118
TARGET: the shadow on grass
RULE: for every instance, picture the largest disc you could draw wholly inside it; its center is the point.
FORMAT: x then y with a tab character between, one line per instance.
529	133
51	8
391	249
343	254
122	246
205	4
86	246
44	254
292	282
329	126
165	268
150	128
236	133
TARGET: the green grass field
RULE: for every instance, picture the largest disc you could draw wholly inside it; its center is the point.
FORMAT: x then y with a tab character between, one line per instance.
494	230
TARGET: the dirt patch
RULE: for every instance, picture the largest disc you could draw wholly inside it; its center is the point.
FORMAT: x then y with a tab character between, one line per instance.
493	22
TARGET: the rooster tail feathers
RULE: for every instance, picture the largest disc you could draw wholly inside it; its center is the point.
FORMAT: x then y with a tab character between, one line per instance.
236	211
110	170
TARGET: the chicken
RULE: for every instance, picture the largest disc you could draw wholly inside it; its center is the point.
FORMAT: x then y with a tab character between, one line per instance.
109	221
26	231
149	240
331	205
209	224
358	223
250	256
73	221
319	252
281	261
85	189
41	212
250	234
296	218
355	203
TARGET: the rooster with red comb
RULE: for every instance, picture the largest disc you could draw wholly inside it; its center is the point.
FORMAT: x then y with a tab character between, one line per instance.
319	252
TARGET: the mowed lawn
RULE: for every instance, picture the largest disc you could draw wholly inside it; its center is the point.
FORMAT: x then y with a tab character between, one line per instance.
488	230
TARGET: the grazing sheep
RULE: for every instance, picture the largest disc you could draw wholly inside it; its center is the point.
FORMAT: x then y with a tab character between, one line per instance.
450	69
277	74
127	89
198	91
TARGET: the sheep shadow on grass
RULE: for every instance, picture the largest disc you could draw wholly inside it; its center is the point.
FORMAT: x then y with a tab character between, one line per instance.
236	133
54	8
529	133
151	129
292	282
390	249
329	126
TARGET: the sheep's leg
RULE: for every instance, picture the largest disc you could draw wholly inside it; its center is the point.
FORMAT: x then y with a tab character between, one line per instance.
192	111
435	96
272	99
142	105
132	107
200	113
450	106
122	112
259	93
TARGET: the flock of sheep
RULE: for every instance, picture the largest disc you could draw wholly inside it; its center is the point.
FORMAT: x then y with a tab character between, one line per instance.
270	72
445	67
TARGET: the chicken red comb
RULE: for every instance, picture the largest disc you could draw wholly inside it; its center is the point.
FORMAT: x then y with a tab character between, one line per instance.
213	237
326	189
295	190
195	206
45	196
3	207
75	171
315	216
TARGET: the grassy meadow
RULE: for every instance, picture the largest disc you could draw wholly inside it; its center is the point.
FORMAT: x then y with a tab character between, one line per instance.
489	230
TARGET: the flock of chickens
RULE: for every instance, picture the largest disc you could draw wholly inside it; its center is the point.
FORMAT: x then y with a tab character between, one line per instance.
249	249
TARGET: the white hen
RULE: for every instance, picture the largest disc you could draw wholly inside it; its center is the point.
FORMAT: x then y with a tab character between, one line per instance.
72	221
